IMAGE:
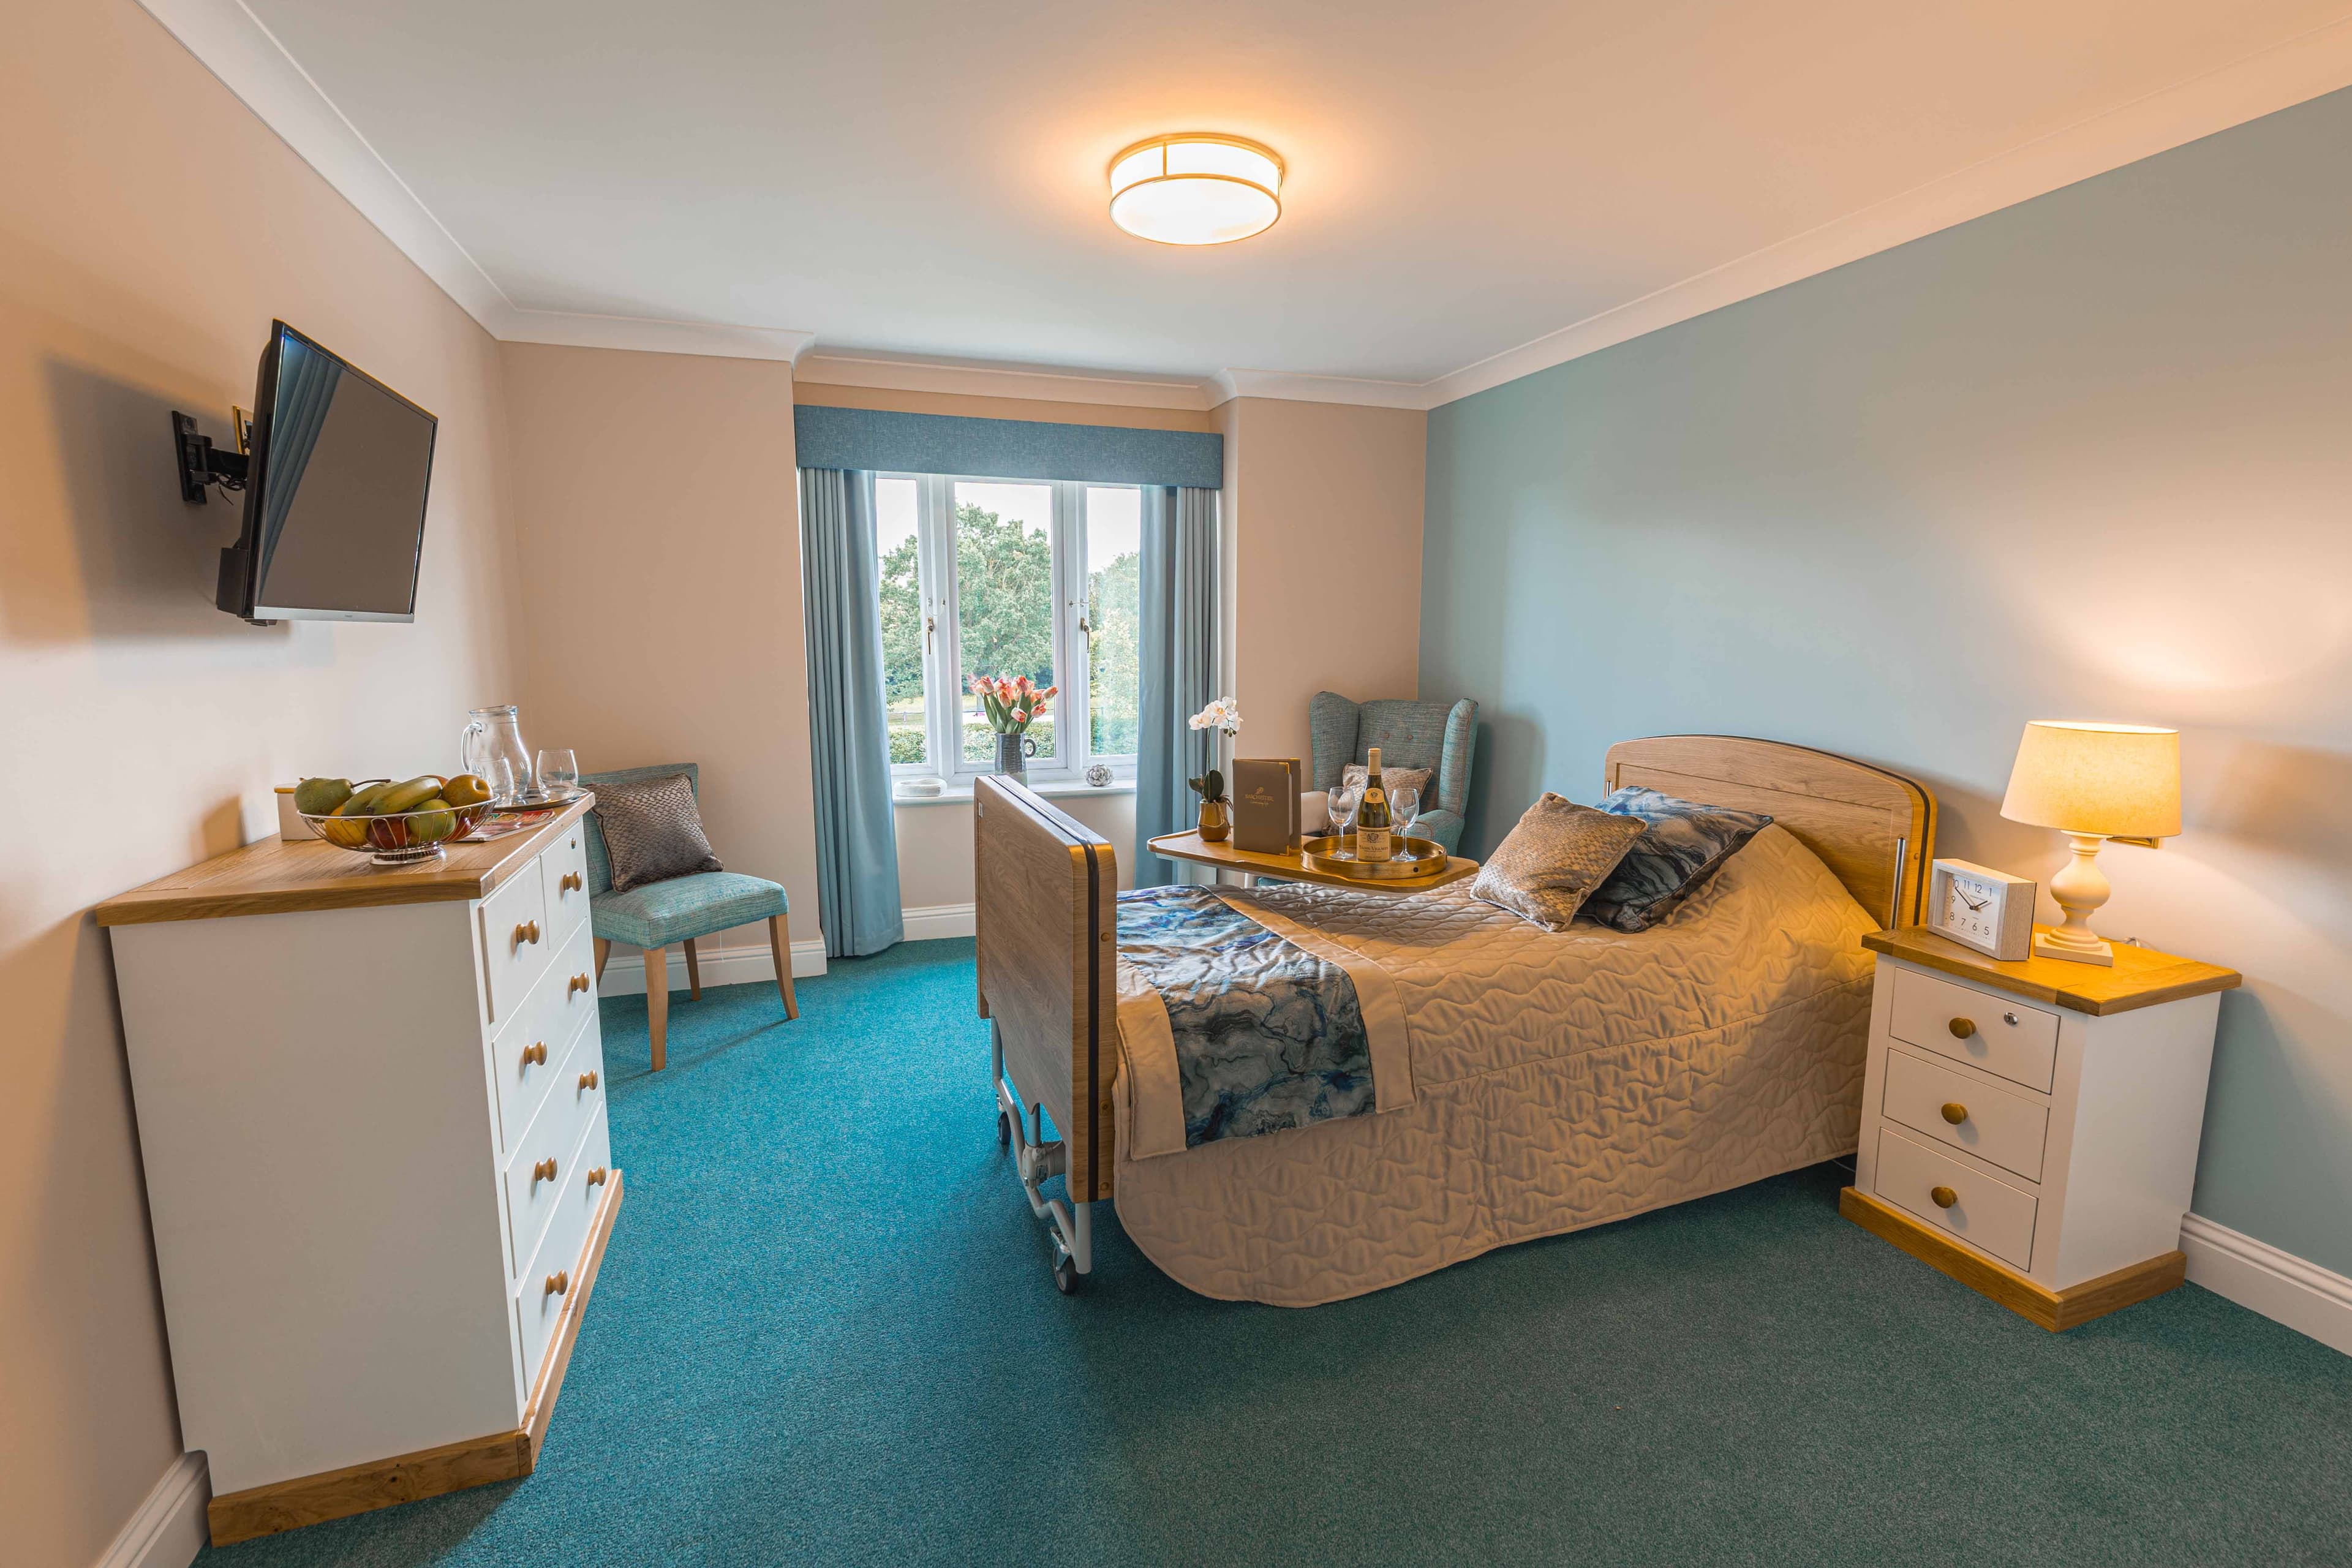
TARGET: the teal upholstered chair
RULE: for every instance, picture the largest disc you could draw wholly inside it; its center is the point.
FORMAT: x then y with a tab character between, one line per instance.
681	911
1435	735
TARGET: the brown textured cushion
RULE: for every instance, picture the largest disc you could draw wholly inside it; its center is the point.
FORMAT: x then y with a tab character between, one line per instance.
1392	780
652	831
1553	859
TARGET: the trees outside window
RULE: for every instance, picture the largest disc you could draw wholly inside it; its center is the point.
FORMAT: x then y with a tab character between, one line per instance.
1009	578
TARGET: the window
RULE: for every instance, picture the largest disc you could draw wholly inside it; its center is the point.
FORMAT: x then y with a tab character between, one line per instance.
1009	577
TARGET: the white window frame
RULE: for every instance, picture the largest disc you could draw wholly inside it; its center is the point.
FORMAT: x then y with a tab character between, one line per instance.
943	671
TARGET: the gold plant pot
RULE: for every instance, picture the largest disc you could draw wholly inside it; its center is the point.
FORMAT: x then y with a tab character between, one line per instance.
1216	821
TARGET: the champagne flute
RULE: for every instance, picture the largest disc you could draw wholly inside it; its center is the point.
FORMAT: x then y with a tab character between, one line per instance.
559	772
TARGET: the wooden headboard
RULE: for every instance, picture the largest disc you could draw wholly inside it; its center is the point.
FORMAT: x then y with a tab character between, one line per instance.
1875	829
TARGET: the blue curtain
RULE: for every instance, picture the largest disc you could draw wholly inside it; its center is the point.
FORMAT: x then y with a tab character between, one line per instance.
1178	579
856	842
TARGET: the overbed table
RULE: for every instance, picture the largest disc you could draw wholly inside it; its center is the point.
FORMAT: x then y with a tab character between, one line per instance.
1293	868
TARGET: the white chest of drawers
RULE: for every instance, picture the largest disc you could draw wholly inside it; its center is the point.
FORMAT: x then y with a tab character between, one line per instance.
371	1109
2032	1128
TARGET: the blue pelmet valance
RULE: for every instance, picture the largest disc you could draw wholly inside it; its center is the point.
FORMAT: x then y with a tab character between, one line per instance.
1004	448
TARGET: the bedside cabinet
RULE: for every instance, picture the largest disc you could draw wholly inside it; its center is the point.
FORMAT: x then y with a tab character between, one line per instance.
2031	1128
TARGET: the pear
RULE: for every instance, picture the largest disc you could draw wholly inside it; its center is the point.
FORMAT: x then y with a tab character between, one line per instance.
319	796
432	822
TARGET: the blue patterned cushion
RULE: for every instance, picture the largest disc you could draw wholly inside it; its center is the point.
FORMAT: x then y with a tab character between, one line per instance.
659	913
1682	846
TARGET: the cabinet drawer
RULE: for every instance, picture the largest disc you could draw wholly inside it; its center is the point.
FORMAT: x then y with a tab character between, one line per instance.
1999	1034
516	942
552	1279
563	882
527	1054
1989	1216
539	1169
2006	1129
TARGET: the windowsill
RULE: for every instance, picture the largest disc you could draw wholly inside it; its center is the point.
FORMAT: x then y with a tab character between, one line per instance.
960	794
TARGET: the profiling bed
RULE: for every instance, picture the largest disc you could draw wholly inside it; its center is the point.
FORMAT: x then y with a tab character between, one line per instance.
1552	1081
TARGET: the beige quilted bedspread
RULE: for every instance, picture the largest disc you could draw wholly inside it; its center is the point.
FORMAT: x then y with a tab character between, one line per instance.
1561	1082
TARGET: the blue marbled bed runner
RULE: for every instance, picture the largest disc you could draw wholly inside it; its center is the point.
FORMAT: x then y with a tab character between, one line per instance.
1268	1036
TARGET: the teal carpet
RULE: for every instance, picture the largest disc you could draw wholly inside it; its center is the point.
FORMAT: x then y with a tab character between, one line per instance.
825	1334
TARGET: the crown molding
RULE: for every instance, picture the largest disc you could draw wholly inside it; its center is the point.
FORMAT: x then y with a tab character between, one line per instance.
2303	67
233	44
643	334
1299	388
985	379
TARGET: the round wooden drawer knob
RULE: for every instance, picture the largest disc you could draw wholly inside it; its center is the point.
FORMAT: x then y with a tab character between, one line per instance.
577	982
571	883
558	1282
588	1079
1955	1112
1943	1197
1962	1027
543	1171
535	1052
596	1177
527	932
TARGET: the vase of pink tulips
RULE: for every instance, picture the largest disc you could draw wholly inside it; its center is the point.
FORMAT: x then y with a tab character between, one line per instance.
1013	705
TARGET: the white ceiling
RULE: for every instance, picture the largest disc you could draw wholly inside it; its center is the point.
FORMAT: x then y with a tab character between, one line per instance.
926	180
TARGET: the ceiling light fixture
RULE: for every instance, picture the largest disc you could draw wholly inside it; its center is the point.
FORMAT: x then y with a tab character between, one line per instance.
1195	189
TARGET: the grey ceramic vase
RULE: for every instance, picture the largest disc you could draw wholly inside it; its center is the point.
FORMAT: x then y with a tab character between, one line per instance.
1013	754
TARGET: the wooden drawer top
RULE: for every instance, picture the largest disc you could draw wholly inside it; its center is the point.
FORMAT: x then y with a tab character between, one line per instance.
2142	977
272	876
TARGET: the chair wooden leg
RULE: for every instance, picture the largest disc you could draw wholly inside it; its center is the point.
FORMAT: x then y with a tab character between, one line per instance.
693	972
779	943
657	1002
604	951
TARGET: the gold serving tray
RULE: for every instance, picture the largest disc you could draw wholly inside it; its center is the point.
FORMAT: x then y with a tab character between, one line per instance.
1416	860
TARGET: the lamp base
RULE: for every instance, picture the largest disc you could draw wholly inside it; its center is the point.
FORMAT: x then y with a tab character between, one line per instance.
2047	946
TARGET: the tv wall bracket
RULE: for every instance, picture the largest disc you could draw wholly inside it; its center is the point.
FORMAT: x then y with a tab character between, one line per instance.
200	463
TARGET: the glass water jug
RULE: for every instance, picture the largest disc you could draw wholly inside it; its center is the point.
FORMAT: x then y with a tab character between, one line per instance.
492	747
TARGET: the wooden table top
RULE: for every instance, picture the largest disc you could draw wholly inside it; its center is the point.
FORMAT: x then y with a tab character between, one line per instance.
272	876
1293	868
2142	977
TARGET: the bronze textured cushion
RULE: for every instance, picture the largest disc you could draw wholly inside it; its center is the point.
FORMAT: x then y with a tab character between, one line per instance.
652	831
1553	859
1392	780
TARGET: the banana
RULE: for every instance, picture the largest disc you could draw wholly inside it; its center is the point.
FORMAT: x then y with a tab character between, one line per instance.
365	803
408	796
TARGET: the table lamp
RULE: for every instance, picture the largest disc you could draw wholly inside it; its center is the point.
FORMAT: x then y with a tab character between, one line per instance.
2092	782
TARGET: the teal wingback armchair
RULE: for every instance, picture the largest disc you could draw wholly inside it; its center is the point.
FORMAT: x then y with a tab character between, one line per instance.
1435	735
681	909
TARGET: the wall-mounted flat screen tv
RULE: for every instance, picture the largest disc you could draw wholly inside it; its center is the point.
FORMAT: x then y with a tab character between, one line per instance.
337	468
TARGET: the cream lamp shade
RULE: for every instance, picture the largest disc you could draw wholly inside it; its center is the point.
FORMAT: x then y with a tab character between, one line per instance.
1198	189
2116	781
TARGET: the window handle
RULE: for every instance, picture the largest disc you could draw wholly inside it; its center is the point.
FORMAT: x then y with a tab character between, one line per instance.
930	624
1085	630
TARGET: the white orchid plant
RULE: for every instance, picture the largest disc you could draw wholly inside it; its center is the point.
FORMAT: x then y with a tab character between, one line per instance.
1223	715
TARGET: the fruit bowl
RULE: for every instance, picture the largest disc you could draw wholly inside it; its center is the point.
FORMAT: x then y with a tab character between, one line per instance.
393	824
399	837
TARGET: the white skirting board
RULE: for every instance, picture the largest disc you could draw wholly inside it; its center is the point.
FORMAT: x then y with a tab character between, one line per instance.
2262	1278
936	921
169	1529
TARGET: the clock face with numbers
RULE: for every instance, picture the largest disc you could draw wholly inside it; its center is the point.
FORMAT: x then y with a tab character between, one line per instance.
1990	910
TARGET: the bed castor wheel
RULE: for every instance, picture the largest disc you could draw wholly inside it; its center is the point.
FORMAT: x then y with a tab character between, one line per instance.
1066	1272
1004	1131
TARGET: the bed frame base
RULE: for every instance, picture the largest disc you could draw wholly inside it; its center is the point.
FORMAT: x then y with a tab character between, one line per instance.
1035	1159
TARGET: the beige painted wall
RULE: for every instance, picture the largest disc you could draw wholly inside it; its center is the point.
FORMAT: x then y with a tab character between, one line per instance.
657	518
154	228
935	845
1320	493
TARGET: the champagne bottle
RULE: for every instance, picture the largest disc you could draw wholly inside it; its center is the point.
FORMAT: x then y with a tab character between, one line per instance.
1372	840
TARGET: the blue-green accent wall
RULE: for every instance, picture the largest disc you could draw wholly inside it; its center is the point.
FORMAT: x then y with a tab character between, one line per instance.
2090	456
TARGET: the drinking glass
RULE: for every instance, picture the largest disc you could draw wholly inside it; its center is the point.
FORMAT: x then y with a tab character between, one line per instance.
499	774
1404	809
559	772
1344	806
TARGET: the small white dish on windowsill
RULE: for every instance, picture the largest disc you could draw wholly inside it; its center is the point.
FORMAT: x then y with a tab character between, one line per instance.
924	788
